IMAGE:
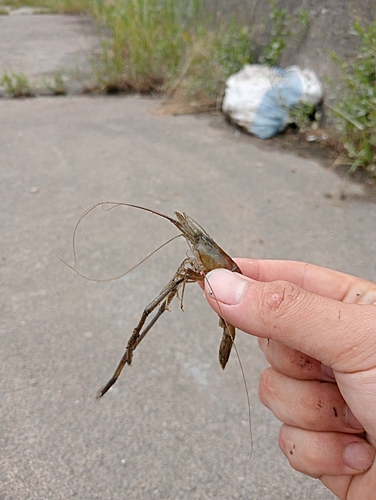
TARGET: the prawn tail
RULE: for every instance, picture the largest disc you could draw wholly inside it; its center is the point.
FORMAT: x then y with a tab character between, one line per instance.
227	342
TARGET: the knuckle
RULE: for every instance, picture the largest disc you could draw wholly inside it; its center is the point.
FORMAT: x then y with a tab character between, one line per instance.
266	387
285	441
301	449
281	299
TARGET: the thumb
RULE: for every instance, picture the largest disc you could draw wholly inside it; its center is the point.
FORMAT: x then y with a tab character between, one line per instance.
337	334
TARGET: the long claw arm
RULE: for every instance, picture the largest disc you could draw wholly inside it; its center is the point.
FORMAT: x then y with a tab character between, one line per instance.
166	295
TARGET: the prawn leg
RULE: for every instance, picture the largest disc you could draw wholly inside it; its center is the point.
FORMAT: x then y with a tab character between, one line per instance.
166	295
182	276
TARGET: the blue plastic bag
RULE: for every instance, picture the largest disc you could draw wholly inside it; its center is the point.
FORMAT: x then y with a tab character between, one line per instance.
259	98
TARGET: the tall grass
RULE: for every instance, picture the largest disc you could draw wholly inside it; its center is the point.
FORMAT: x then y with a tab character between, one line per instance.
146	42
178	46
164	44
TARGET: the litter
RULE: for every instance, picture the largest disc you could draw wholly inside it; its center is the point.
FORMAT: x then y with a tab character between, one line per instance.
260	98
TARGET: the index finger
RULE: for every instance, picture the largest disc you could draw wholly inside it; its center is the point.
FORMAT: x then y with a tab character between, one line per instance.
315	279
337	334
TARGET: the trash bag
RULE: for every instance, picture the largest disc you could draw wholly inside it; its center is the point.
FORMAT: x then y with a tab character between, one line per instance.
259	98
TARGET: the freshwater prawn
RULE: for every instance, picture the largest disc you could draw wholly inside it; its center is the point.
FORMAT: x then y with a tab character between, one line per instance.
206	256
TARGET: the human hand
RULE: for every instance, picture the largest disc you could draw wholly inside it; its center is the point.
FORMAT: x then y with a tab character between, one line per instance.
317	329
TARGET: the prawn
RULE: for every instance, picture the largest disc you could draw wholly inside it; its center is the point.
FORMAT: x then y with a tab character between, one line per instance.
206	256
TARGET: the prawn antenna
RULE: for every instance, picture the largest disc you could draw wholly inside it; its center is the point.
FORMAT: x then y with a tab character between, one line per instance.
242	373
112	204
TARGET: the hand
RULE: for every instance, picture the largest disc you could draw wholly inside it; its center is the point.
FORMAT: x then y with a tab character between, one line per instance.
317	329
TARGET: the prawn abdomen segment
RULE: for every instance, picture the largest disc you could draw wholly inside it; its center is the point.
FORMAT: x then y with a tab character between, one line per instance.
213	257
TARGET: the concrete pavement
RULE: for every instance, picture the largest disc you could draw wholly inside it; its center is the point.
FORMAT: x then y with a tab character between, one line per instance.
46	47
174	426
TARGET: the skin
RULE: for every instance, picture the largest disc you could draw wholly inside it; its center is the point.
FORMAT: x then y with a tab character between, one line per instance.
317	330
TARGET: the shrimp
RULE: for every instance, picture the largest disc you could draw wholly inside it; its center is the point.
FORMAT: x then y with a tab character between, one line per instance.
206	256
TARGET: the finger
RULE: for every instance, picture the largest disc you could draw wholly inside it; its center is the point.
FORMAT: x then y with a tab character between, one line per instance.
291	362
315	279
353	487
311	405
325	453
296	318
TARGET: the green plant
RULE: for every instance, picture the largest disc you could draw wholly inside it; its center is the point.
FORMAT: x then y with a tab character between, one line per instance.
303	115
178	45
16	85
59	84
282	27
210	59
56	84
227	45
355	108
148	40
187	47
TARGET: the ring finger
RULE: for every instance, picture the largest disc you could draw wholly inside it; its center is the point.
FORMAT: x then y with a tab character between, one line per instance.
311	405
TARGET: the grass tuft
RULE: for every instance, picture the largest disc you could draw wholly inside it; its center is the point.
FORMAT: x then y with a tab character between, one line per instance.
16	85
355	106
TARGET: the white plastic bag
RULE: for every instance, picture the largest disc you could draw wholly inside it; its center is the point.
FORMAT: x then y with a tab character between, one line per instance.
259	98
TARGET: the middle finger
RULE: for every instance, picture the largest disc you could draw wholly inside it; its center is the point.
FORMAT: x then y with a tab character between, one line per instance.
291	362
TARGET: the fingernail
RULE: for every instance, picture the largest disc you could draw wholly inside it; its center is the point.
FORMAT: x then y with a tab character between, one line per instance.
359	456
225	286
352	421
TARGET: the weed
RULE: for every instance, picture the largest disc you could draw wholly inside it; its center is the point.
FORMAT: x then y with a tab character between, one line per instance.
172	45
355	108
57	86
16	85
210	59
148	40
282	26
304	115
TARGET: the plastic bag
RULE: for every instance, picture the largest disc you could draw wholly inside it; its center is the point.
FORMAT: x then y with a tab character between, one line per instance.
259	98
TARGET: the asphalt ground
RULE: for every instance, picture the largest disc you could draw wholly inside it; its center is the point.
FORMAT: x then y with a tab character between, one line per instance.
175	426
